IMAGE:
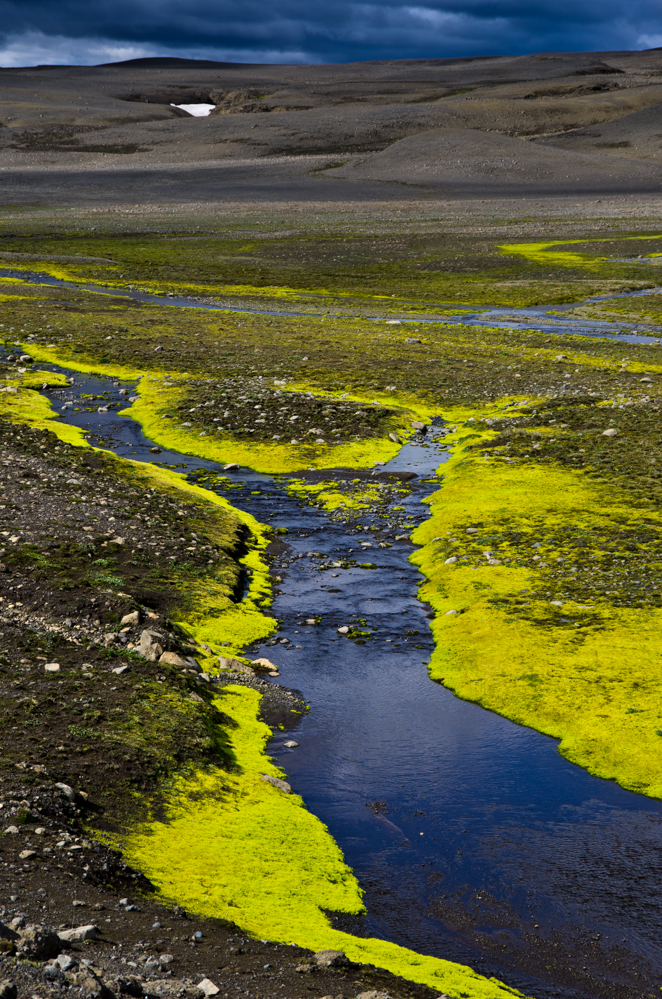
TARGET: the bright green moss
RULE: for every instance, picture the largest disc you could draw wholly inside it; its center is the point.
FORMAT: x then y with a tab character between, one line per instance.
256	856
589	674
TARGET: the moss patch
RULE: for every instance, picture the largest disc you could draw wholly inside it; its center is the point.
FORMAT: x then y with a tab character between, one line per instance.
249	833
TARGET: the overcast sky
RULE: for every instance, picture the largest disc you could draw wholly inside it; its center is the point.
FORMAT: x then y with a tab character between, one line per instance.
316	31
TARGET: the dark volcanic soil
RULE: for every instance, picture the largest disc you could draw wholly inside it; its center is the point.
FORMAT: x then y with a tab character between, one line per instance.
549	124
89	735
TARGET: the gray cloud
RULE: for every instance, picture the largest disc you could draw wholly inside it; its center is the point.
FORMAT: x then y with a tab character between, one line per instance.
74	31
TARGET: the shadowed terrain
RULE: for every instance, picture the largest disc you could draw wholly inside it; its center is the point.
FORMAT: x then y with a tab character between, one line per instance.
550	123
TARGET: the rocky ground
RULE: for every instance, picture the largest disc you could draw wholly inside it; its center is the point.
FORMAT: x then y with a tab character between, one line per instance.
100	697
544	125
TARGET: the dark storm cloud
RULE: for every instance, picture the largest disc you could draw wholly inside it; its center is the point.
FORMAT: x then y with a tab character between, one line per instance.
332	31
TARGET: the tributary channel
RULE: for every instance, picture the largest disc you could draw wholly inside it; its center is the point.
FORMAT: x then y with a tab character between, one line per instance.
542	318
472	838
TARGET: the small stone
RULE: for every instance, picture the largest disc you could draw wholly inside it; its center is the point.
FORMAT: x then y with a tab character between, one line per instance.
166	958
472	530
11	830
25	358
79	933
67	791
119	670
373	994
448	613
37	943
311	620
344	630
395	438
421	427
282	785
610	433
53	973
264	664
290	744
451	560
52	667
235	665
208	988
172	659
230	467
132	618
66	962
8	990
155	450
412	339
26	854
330	959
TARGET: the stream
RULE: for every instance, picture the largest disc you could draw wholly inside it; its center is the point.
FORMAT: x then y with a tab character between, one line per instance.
542	318
471	837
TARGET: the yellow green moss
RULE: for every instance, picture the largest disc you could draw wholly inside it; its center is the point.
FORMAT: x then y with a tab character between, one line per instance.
216	619
257	857
539	253
596	684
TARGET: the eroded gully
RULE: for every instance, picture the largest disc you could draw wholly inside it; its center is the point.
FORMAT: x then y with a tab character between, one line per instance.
472	838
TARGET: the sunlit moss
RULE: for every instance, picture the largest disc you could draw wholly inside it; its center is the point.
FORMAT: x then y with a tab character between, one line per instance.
589	674
263	861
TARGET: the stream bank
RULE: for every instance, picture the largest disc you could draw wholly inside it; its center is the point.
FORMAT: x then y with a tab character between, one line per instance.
490	798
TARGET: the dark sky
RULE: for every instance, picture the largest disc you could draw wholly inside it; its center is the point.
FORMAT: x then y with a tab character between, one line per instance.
282	31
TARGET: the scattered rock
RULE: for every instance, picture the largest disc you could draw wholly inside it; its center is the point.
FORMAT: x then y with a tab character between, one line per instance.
66	962
79	933
448	613
264	664
230	467
208	988
330	959
412	339
26	854
8	990
373	994
395	438
172	659
38	943
67	791
449	561
91	984
282	785
421	427
52	667
132	618
290	744
311	620
11	830
344	630
121	669
53	973
235	665
610	433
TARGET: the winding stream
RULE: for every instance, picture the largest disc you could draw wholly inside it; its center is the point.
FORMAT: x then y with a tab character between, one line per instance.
537	317
466	831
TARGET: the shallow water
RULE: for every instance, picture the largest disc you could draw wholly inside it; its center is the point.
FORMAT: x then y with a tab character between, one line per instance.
529	318
465	830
